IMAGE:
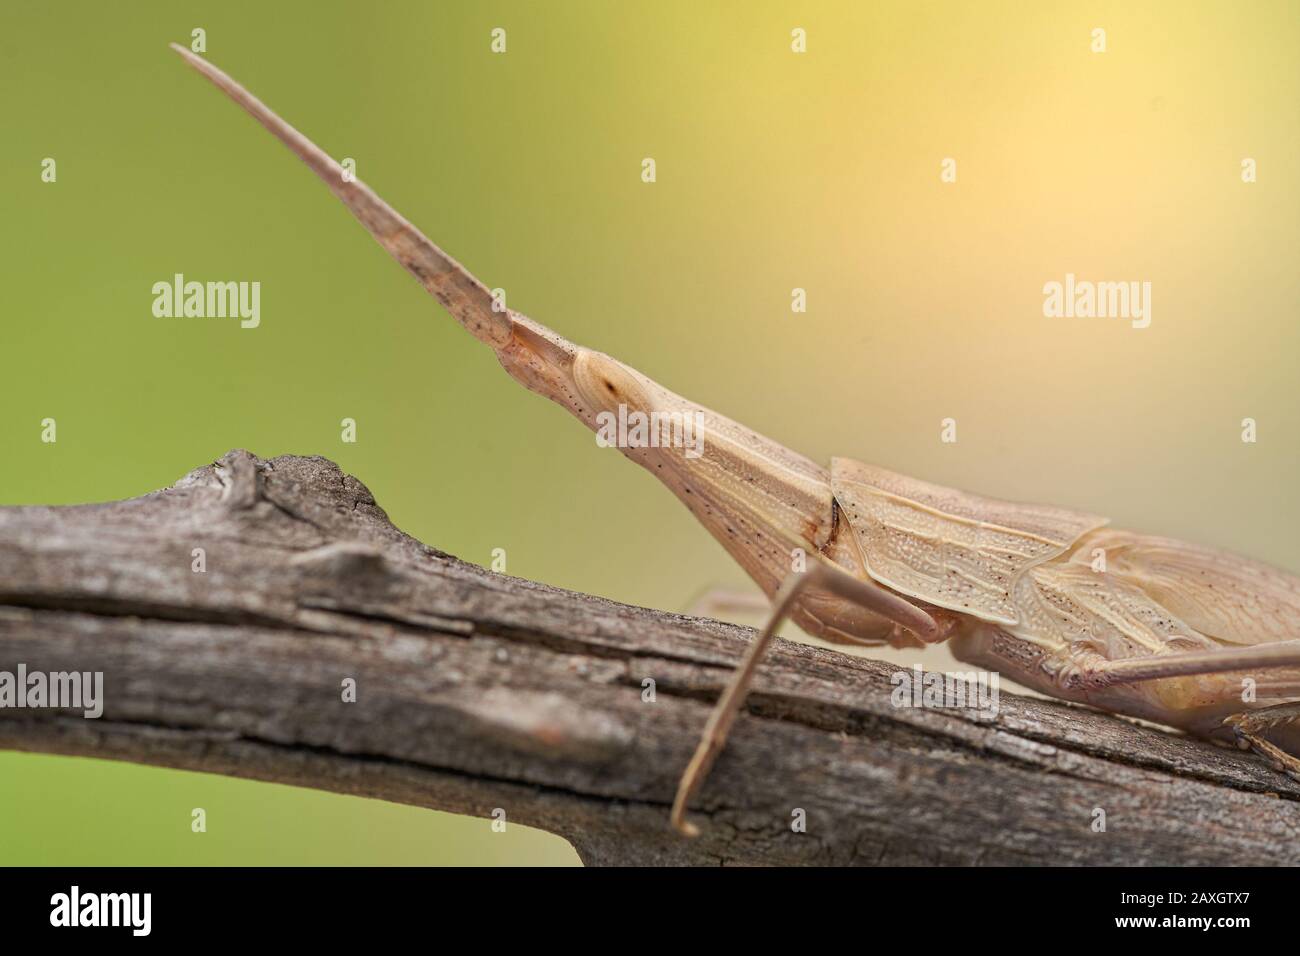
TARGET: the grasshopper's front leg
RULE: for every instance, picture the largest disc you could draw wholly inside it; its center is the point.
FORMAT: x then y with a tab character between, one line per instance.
821	575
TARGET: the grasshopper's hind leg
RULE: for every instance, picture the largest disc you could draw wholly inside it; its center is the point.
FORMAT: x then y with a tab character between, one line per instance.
822	575
1251	726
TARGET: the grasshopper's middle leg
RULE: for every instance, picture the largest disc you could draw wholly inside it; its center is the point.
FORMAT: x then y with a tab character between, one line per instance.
729	604
821	575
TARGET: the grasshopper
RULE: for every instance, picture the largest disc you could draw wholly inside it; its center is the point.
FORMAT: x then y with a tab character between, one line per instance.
1179	634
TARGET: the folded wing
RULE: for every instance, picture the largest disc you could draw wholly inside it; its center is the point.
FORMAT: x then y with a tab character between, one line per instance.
950	548
1230	598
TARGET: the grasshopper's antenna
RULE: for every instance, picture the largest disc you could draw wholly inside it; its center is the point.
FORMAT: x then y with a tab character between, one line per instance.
446	279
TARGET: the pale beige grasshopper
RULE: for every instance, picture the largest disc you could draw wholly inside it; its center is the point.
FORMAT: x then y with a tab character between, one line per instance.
1183	635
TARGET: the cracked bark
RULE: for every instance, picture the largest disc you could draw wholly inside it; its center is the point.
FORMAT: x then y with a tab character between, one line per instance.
478	691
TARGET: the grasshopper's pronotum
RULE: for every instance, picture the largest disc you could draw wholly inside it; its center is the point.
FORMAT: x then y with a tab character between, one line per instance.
1168	631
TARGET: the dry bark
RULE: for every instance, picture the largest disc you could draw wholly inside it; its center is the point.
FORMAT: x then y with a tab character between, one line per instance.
478	691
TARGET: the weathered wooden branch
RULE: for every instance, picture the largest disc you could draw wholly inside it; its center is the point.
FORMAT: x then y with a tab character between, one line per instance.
477	691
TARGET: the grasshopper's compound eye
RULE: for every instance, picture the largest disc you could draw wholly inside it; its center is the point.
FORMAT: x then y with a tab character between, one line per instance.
605	383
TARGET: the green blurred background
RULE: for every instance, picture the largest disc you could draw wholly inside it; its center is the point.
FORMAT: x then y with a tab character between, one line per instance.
775	170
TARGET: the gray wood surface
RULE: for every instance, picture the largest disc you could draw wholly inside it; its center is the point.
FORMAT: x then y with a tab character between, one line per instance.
478	691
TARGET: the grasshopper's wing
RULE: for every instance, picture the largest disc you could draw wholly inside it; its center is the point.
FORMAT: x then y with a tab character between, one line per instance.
1224	596
947	547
